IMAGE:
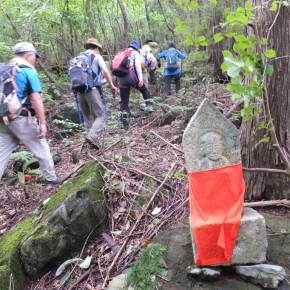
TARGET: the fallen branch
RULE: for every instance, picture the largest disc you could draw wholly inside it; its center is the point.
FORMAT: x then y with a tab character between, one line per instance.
143	173
269	170
283	202
135	225
174	147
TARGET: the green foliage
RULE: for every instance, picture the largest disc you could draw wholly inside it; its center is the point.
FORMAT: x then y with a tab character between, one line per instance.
26	159
70	126
147	267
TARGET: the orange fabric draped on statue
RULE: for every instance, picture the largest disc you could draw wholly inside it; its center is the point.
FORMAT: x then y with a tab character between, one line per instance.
216	202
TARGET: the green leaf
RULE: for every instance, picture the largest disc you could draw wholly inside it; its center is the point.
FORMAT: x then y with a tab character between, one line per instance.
230	34
27	163
241	38
269	69
265	139
64	279
244	19
264	41
86	263
46	201
218	37
21	177
213	1
227	53
270	53
248	6
224	67
274	6
233	71
234	62
231	18
62	267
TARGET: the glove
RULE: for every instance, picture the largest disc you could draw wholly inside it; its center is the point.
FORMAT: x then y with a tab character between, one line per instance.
159	64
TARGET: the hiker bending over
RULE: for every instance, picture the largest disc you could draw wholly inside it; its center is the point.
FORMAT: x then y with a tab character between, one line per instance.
133	79
148	64
171	67
154	50
92	102
24	128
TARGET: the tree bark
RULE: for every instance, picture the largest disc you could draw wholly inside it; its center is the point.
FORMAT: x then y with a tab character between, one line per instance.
151	32
90	19
261	184
126	22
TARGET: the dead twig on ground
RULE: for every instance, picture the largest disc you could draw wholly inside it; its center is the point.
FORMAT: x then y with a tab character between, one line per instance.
135	225
174	147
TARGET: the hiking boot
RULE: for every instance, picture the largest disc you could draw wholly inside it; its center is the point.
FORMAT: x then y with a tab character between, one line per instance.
142	107
94	144
123	121
57	181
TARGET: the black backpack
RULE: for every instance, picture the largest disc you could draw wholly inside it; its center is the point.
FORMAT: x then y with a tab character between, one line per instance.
171	59
10	106
82	77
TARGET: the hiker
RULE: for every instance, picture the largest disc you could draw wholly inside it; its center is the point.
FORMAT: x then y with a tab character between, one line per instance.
25	128
92	102
171	67
133	79
154	50
148	64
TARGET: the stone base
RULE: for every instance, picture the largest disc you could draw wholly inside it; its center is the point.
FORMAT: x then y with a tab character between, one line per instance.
251	244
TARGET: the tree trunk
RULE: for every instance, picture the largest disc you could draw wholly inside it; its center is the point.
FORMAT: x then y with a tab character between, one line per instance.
90	19
126	22
151	34
269	185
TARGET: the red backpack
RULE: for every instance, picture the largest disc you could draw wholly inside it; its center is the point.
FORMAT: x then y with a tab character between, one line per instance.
121	63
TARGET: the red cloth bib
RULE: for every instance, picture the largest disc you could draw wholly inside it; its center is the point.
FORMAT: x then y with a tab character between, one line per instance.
216	202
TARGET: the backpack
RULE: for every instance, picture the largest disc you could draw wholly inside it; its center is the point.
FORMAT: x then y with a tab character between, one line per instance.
171	59
82	77
10	106
121	63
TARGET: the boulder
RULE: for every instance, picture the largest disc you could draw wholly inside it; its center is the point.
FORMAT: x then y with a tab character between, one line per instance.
269	276
58	229
251	244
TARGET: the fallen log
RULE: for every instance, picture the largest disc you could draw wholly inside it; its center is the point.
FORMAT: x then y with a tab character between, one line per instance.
265	203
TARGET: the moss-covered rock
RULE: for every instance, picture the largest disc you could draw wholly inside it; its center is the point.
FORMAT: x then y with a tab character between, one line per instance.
77	210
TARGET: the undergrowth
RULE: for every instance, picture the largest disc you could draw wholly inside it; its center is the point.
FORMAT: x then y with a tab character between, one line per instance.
147	267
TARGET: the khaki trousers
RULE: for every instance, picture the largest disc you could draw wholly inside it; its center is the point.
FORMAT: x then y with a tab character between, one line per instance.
19	130
92	107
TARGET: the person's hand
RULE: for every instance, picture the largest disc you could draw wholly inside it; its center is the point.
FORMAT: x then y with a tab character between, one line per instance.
140	84
159	63
42	130
115	90
72	96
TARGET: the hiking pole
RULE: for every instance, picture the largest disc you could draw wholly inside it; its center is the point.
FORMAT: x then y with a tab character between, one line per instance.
78	108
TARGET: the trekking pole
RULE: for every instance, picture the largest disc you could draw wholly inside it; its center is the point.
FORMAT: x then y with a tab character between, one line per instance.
78	109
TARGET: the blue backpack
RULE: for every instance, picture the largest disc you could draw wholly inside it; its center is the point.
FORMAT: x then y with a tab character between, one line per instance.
171	59
82	77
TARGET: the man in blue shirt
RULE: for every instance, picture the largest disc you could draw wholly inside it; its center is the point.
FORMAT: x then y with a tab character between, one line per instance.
24	128
171	71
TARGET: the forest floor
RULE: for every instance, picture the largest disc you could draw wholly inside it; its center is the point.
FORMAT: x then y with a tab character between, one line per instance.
146	150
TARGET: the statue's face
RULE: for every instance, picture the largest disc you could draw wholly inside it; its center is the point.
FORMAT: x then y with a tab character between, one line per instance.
211	146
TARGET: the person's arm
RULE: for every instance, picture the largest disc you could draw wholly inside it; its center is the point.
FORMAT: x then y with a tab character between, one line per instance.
181	55
107	74
137	64
37	104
